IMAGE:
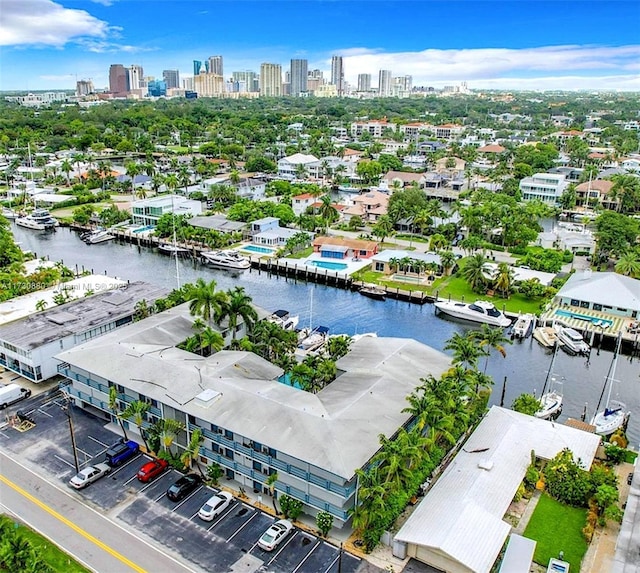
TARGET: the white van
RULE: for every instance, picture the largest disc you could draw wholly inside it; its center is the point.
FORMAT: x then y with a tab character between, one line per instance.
12	393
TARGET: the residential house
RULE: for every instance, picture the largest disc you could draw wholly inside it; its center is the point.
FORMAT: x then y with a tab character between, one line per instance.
596	193
253	424
448	131
414	130
400	179
343	248
268	232
368	206
148	211
28	345
300	203
218	223
567	237
299	166
451	166
545	187
386	261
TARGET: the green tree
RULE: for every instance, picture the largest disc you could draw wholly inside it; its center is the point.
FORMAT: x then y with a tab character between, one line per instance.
324	522
491	338
204	300
237	304
526	404
169	431
383	228
115	408
137	410
473	272
629	265
192	451
270	482
626	191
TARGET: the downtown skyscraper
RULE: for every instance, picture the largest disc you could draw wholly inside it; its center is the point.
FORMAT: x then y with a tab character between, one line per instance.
270	80
299	77
337	74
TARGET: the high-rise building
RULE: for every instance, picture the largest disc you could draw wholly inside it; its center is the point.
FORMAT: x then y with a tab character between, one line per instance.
214	65
249	79
157	88
270	80
188	83
136	75
171	78
337	74
118	80
299	77
364	82
402	86
84	87
197	66
208	85
384	83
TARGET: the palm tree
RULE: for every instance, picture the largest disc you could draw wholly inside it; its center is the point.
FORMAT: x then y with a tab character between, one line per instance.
270	482
170	429
504	279
192	451
212	340
465	351
66	168
133	169
113	406
447	260
491	338
383	228
327	211
626	191
473	272
238	304
629	265
438	242
137	410
204	300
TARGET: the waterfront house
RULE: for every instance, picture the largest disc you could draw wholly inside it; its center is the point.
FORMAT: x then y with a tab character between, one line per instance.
573	238
596	193
545	187
255	425
148	211
300	203
343	248
401	179
293	166
218	223
387	261
28	345
369	206
267	231
459	526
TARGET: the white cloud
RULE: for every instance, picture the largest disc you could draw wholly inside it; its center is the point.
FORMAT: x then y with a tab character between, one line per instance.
43	22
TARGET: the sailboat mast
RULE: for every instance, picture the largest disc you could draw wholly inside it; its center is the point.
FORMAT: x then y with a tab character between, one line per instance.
609	378
553	359
175	250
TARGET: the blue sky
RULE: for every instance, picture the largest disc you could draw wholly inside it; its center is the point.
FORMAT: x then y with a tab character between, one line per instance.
582	44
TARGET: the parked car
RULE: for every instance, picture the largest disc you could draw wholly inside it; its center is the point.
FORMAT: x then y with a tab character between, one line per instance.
121	451
12	393
273	536
630	478
89	475
183	487
152	470
215	505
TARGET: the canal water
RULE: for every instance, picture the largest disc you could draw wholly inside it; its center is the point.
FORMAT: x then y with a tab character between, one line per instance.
525	366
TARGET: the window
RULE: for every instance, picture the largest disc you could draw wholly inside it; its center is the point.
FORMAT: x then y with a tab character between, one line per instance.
257	466
228	434
379	266
192	419
228	453
597	306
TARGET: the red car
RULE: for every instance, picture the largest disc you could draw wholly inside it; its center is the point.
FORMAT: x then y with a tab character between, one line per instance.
152	470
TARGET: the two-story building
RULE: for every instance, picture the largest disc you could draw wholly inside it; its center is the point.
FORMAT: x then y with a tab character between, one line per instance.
368	206
374	127
268	232
596	193
254	423
148	211
299	166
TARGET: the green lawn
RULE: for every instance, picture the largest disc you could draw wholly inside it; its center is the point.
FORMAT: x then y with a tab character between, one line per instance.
630	457
303	254
557	527
57	559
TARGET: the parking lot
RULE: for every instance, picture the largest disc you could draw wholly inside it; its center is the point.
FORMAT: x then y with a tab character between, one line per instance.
228	543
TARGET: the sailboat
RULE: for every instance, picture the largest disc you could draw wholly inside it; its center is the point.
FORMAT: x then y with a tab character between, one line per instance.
551	401
615	414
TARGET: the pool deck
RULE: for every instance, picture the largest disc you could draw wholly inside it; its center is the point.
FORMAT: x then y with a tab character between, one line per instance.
619	324
352	266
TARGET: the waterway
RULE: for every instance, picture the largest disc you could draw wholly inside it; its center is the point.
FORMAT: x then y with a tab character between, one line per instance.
525	366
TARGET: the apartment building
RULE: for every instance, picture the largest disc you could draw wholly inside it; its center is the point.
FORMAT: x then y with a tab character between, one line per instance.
545	187
374	127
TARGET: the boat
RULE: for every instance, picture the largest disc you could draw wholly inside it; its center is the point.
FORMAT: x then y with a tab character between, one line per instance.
9	213
479	311
551	401
373	291
547	336
284	319
615	415
225	259
38	219
314	339
572	341
97	236
173	250
524	325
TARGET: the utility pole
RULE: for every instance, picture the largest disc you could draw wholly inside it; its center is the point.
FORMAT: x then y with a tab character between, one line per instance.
67	411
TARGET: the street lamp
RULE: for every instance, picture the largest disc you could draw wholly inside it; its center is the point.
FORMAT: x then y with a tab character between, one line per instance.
67	410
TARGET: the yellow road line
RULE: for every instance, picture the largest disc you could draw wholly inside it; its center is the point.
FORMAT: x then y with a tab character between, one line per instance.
72	525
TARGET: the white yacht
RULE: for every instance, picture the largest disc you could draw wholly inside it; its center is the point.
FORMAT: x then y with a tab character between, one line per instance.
225	259
547	336
9	213
284	319
572	341
314	339
524	325
615	414
173	250
479	311
38	219
97	236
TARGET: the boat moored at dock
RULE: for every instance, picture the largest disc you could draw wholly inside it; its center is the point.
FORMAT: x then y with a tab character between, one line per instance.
480	311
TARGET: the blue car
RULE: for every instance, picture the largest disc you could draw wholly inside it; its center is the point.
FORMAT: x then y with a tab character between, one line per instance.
121	451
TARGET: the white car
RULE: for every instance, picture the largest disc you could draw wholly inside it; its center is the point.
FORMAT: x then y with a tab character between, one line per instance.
215	505
89	475
273	536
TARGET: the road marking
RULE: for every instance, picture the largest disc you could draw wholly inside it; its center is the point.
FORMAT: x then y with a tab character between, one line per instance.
64	461
98	442
72	525
295	532
307	557
222	516
242	527
85	454
45	413
187	498
5	435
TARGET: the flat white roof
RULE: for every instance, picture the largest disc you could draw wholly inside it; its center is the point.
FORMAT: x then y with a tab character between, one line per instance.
461	516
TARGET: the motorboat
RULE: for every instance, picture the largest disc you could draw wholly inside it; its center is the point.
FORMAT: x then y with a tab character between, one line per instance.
373	291
314	339
547	336
225	259
572	341
172	250
9	213
479	311
551	401
97	236
284	319
38	220
615	414
524	325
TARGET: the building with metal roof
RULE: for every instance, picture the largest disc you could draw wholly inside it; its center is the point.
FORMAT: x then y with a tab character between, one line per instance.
458	527
253	422
28	345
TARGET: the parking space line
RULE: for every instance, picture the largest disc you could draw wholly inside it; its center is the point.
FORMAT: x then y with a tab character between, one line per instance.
306	557
332	563
45	413
64	461
130	479
161	496
98	441
86	454
221	517
282	548
187	498
242	527
5	435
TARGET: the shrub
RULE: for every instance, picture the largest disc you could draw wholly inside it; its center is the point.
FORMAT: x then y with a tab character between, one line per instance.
214	472
615	454
531	477
292	508
519	493
324	521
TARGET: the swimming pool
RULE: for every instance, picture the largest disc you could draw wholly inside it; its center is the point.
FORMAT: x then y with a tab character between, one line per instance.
603	322
328	265
256	249
143	229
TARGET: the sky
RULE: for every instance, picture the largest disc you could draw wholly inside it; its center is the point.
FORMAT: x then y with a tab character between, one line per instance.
499	44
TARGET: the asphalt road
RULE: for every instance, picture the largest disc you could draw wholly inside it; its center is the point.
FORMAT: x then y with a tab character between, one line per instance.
95	541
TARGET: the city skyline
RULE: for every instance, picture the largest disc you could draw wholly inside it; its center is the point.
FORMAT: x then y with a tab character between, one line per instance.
49	44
